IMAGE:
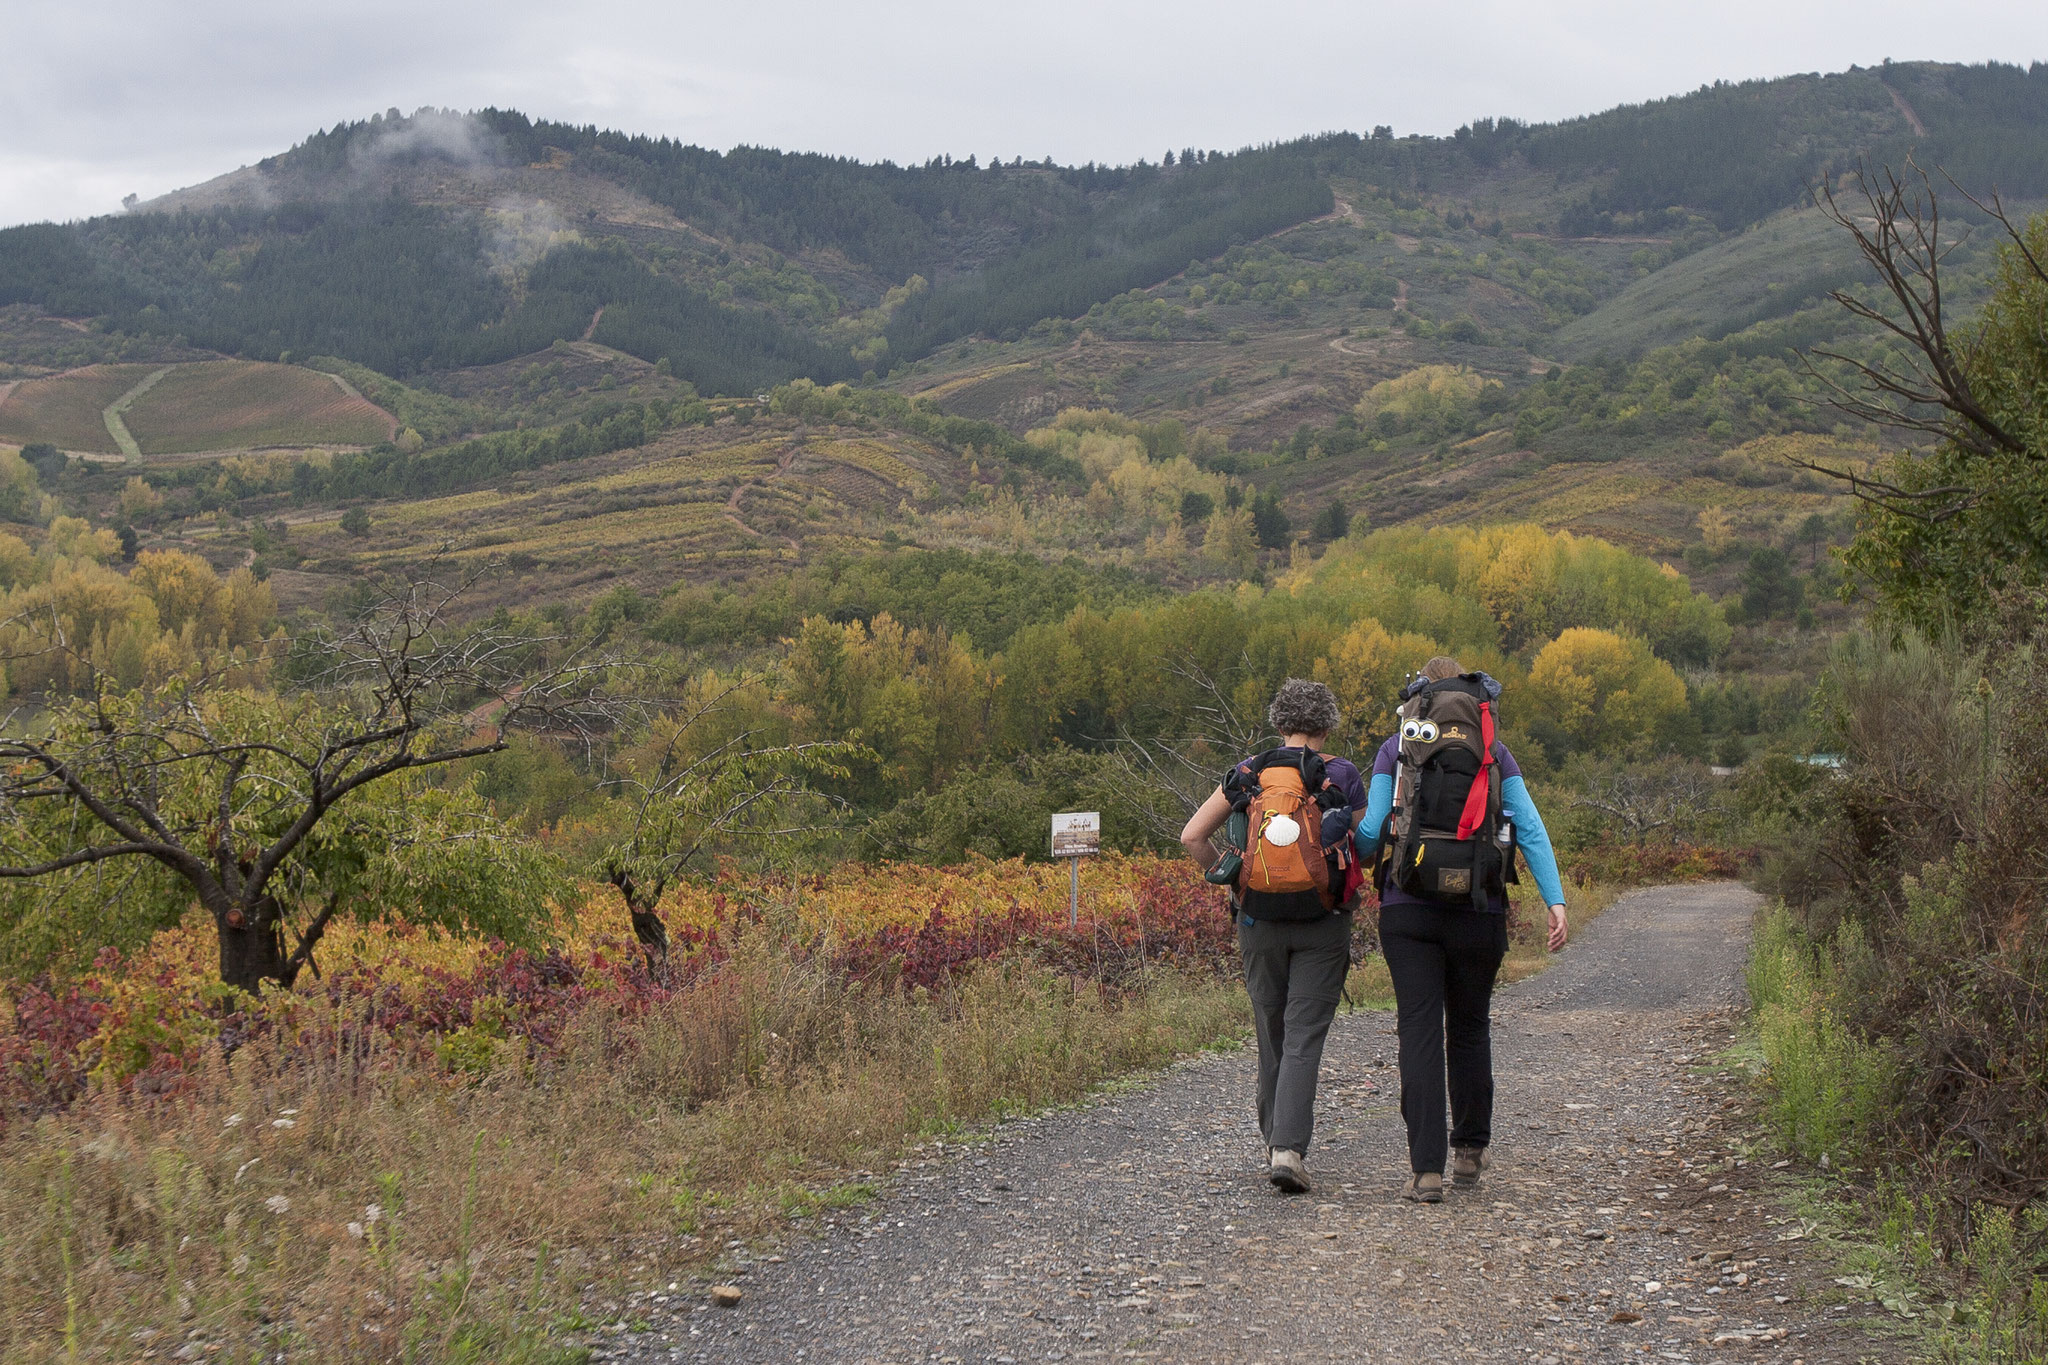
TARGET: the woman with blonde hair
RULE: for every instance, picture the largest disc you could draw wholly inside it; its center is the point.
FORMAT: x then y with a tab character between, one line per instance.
1448	804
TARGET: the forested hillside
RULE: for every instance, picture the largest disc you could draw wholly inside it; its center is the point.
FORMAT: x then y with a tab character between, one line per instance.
438	241
1603	325
552	348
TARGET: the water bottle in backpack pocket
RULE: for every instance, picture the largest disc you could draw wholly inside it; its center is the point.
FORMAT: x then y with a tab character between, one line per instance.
1224	871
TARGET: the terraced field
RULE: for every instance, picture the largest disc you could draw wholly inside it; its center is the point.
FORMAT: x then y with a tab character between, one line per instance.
193	408
677	507
240	405
67	409
1653	507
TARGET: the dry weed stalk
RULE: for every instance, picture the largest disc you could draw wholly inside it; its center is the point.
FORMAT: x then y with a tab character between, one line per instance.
318	1194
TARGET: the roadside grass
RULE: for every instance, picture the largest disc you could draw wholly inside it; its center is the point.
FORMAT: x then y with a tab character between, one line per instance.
329	1193
1979	1299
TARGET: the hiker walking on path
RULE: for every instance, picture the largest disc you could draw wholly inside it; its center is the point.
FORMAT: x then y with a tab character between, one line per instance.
1291	812
1448	807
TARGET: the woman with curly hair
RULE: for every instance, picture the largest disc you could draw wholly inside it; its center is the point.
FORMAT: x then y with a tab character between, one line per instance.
1296	949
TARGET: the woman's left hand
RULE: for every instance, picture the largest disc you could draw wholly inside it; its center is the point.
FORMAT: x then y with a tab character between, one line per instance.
1557	932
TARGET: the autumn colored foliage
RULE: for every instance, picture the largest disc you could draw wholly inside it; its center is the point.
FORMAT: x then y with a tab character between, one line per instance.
140	1023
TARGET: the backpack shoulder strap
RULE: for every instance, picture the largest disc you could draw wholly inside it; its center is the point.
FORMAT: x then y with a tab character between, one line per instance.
1481	799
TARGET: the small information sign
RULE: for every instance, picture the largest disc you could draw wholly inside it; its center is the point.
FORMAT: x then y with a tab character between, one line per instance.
1076	833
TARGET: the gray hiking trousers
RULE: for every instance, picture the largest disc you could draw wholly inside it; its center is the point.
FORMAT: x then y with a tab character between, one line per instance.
1294	972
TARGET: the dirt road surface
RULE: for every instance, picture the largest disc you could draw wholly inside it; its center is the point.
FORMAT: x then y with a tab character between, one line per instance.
1625	1218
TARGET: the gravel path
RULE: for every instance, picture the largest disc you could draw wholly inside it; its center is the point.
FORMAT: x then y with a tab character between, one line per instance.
1619	1222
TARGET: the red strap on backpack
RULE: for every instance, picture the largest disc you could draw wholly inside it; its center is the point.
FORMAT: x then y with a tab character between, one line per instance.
1474	813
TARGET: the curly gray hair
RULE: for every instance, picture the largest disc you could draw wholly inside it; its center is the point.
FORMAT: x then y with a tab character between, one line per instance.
1302	707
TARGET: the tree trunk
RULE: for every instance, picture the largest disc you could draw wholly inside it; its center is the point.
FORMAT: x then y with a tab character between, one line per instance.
652	933
252	945
647	924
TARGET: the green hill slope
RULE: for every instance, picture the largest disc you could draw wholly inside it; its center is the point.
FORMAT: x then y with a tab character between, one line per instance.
1781	265
1620	300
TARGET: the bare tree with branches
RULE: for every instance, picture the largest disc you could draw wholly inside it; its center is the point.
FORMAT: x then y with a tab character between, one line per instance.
1164	778
121	808
1897	228
1671	797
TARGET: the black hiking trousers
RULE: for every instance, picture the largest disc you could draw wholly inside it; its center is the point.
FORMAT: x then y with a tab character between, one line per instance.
1294	972
1444	961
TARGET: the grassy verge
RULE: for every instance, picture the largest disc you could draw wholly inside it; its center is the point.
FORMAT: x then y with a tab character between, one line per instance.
1975	1292
326	1197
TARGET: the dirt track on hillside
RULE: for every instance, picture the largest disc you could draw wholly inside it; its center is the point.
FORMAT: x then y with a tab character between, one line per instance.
1137	1226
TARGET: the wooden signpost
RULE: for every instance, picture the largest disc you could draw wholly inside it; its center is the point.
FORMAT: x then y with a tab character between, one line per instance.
1075	835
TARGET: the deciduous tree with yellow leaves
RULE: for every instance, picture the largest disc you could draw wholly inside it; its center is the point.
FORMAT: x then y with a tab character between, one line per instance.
1602	693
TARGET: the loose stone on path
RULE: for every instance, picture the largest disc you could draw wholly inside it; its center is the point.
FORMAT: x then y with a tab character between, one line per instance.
1620	1221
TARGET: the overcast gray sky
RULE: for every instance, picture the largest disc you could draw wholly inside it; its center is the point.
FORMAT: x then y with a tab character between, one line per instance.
141	96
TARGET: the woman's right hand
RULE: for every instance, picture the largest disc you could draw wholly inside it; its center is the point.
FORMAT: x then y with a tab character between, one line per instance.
1557	928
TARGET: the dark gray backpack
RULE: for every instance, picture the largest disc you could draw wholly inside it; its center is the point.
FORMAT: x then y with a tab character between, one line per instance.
1444	836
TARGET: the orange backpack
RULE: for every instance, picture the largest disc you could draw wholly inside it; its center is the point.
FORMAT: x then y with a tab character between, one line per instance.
1284	836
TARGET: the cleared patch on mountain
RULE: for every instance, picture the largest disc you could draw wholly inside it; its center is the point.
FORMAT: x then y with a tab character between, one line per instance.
242	405
563	383
1019	395
1775	268
67	409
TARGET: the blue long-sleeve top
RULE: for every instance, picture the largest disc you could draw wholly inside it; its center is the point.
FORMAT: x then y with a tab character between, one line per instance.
1516	803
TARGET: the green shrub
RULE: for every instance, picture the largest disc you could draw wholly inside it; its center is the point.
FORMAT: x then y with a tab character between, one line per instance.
1901	990
1829	1087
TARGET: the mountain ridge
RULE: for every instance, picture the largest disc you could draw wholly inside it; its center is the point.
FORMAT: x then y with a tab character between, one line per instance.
976	250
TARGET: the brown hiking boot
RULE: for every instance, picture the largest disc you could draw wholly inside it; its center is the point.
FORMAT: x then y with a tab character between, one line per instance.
1427	1187
1286	1172
1466	1164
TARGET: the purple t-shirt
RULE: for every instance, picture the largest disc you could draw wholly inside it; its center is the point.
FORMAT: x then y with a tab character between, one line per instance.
1344	774
1387	764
